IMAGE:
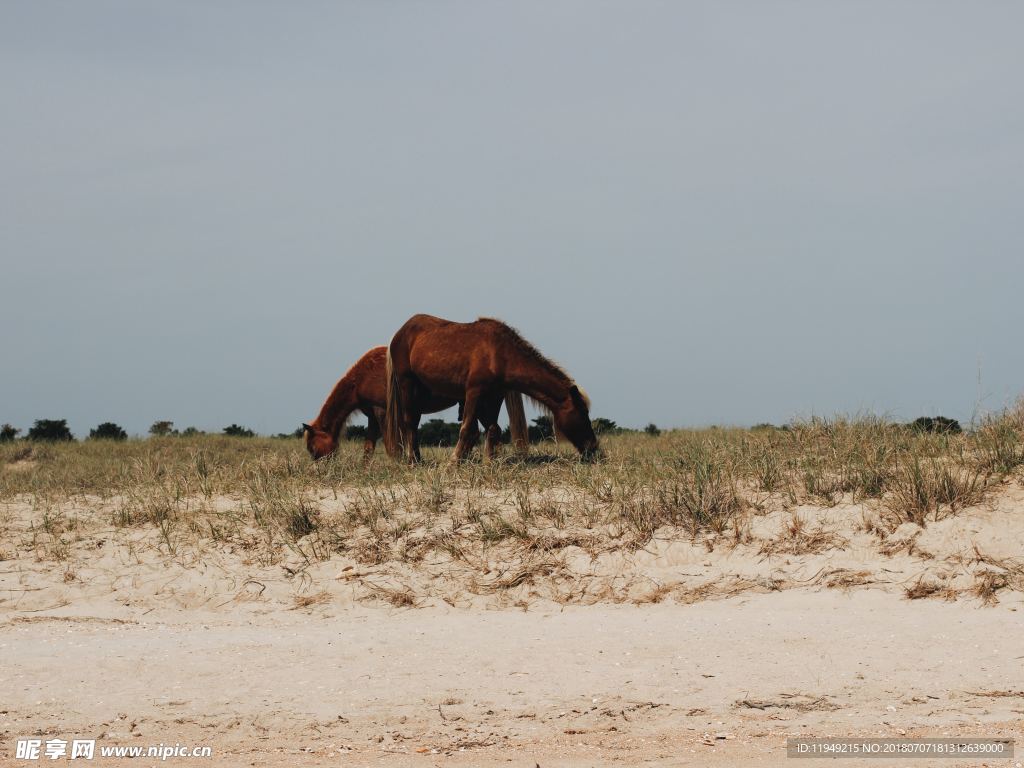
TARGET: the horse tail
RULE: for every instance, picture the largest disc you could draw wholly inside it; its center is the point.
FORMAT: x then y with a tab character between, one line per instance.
393	411
517	420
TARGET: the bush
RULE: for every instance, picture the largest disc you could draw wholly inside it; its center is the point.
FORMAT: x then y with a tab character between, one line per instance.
108	430
541	429
50	429
191	432
439	432
652	430
162	428
235	430
605	426
937	424
8	433
355	432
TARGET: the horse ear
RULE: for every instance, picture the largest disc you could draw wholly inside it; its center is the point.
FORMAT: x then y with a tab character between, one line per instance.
306	427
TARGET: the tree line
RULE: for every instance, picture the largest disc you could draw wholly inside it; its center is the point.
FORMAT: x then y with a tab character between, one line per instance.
432	432
57	431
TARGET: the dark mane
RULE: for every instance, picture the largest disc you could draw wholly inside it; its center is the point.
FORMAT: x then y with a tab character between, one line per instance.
538	357
340	395
528	349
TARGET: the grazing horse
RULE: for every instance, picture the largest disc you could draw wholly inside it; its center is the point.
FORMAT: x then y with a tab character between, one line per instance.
475	363
364	388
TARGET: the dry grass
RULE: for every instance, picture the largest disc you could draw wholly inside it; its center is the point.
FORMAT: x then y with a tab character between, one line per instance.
401	596
927	586
845	579
508	524
797	538
799	702
307	601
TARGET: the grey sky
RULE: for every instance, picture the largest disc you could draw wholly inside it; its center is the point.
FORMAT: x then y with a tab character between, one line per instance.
708	212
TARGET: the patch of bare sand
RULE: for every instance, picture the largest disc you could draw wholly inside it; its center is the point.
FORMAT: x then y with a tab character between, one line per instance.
712	683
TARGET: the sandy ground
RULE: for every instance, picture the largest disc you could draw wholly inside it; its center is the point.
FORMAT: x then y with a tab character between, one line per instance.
679	652
713	683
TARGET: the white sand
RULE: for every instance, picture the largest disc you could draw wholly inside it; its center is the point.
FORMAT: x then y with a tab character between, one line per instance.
129	644
595	685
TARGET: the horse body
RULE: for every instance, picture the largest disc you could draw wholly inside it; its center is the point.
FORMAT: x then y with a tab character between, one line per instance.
476	363
364	388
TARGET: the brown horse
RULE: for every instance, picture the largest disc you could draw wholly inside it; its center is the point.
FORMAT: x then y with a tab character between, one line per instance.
364	388
475	363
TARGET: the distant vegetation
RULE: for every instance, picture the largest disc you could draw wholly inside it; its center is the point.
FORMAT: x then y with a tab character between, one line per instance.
765	425
108	430
53	430
604	427
939	424
355	432
542	429
439	432
433	432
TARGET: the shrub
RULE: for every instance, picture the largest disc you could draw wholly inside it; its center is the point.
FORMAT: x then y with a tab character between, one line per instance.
108	430
652	429
439	432
191	432
235	430
604	426
355	432
541	429
939	424
50	429
162	428
8	433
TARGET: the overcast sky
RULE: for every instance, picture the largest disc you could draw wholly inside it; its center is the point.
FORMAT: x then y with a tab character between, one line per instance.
707	212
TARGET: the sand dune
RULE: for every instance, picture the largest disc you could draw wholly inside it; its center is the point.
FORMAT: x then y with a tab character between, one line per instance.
683	651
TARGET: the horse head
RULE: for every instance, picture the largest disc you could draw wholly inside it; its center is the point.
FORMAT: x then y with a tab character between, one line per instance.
572	422
319	442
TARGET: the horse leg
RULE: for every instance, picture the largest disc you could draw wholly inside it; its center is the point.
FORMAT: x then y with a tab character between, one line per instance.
468	433
411	436
416	439
492	441
487	412
373	420
410	418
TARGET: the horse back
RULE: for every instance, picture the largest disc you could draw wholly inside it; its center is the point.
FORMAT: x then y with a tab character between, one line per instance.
445	355
369	377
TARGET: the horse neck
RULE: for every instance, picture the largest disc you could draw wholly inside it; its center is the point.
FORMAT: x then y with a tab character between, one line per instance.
339	404
538	381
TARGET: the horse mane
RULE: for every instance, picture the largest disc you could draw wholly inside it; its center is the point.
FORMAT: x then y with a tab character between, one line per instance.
538	357
335	399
